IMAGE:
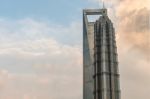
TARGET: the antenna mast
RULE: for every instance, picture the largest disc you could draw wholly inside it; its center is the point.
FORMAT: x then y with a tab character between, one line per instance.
103	4
148	40
99	3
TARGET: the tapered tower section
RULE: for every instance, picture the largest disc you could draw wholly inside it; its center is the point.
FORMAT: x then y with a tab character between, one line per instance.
100	63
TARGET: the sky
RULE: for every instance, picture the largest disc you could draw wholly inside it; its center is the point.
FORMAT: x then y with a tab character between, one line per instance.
41	47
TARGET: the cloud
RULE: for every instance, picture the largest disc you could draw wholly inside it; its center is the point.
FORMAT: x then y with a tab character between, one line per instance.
36	60
137	20
134	27
133	30
131	20
40	59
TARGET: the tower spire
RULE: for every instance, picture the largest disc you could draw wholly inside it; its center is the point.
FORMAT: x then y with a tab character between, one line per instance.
103	4
99	3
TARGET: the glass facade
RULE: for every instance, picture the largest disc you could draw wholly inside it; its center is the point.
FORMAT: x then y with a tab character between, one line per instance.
100	63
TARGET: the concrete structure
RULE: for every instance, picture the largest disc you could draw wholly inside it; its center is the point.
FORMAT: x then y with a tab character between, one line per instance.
101	77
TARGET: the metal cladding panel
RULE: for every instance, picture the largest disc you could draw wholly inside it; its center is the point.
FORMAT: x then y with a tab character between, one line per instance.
88	62
105	48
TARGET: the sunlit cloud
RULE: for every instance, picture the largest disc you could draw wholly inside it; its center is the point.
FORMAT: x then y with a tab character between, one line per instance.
131	21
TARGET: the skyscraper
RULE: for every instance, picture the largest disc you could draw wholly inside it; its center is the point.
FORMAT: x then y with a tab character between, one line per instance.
100	63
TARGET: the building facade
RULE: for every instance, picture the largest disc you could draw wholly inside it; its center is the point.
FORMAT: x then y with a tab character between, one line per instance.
100	63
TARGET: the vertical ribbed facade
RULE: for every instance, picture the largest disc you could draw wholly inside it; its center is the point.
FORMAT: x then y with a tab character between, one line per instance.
101	76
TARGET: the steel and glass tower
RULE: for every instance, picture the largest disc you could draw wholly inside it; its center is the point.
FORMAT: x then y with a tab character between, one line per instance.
100	63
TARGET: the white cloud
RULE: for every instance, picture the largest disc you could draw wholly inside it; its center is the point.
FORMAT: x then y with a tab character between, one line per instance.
37	61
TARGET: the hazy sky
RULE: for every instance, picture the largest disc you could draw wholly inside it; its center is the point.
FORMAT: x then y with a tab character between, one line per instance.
41	47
